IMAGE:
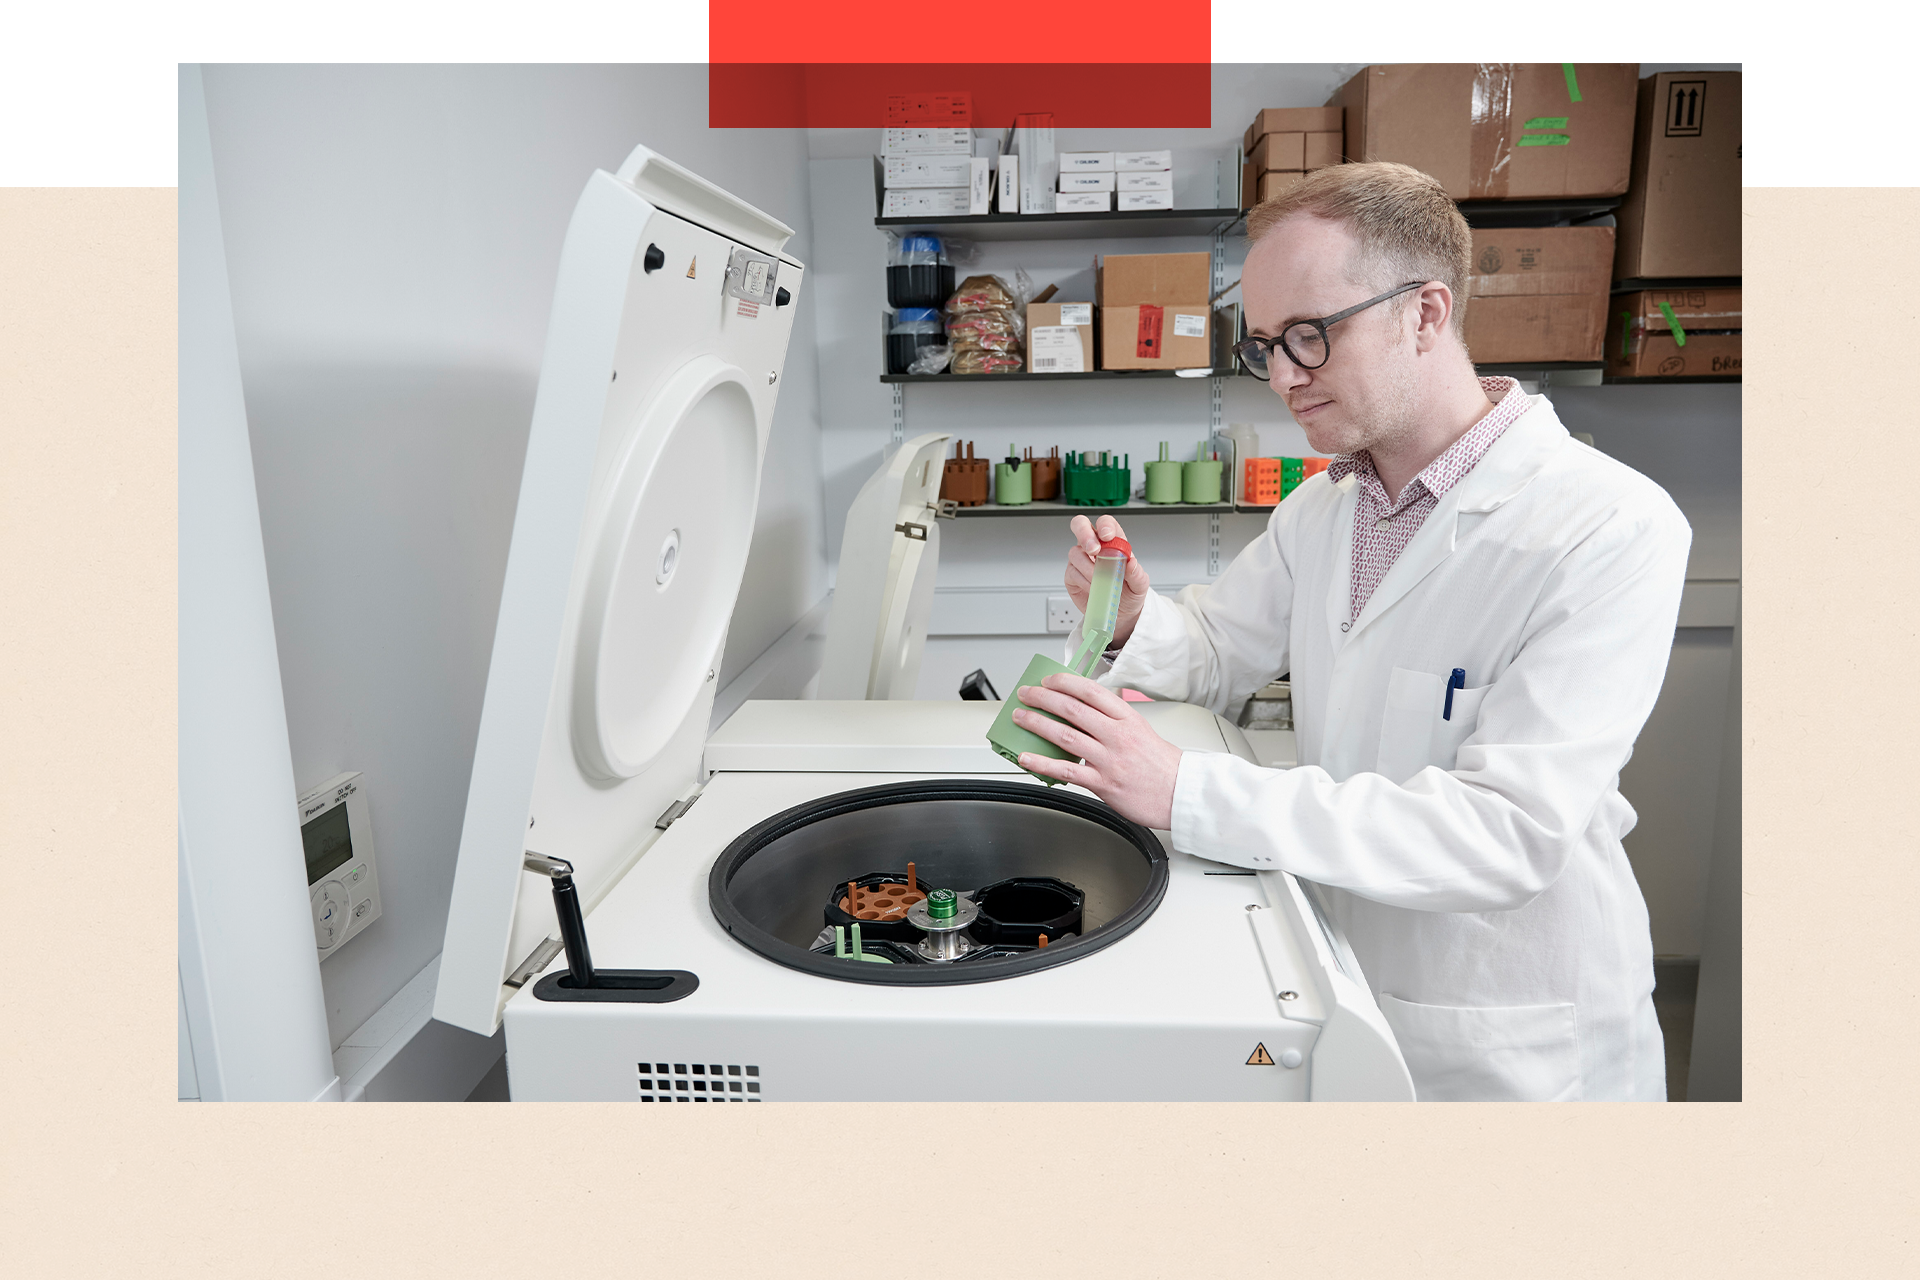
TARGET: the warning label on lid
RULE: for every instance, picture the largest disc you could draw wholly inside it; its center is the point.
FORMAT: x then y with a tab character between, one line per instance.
1260	1057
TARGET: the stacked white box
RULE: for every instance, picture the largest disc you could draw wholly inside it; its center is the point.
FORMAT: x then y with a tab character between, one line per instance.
1142	161
1083	202
926	142
1086	181
1160	180
903	172
919	202
1086	162
1131	201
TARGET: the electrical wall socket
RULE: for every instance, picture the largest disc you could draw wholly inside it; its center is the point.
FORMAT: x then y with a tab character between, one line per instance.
1062	617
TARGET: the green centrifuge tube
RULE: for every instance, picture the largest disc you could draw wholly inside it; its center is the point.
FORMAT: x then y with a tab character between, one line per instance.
1103	603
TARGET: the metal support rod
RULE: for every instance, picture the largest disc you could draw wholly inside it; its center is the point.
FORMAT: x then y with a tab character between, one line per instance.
566	910
899	413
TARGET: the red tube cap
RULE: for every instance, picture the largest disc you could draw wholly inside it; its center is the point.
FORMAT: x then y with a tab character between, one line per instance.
1121	544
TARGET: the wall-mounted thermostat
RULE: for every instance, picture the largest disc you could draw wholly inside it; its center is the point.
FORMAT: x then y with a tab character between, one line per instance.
342	878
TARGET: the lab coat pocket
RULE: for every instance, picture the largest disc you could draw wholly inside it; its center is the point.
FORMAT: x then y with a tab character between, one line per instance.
1521	1053
1406	727
1448	734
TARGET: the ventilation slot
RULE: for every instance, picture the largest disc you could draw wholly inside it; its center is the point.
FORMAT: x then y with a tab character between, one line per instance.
697	1082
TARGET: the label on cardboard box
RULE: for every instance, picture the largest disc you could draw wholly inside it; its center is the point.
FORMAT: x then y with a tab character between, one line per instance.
1147	337
1055	349
1086	162
1189	326
1142	161
1076	313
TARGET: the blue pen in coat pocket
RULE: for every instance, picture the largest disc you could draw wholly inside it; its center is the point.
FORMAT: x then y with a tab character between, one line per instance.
1458	680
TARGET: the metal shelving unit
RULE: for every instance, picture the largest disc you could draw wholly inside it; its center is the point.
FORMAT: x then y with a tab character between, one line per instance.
1111	224
1090	375
1132	507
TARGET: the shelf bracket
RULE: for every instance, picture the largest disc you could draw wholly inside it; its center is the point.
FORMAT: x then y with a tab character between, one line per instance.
899	413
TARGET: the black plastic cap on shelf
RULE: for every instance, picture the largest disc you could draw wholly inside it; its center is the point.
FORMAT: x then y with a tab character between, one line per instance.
654	259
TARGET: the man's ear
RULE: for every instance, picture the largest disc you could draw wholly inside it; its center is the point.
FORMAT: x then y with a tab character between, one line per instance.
1434	313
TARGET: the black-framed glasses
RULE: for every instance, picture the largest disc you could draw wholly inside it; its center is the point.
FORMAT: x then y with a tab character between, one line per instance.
1304	341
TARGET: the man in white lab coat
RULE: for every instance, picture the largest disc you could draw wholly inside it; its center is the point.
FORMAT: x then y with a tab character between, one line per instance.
1476	611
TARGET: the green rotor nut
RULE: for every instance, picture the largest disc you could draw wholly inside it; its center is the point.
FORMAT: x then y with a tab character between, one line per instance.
942	904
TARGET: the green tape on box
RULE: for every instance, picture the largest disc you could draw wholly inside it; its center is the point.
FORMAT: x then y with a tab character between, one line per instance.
1679	334
1573	82
1546	122
1545	140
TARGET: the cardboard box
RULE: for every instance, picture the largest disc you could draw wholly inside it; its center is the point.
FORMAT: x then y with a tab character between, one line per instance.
1322	150
1083	202
1292	120
921	202
1279	151
1144	180
1682	212
1641	342
1272	184
1047	352
1129	201
1142	161
1086	162
1086	181
1176	335
926	142
903	172
1538	294
1546	144
1156	279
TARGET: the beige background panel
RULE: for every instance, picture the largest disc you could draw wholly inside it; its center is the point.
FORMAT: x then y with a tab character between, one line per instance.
105	1175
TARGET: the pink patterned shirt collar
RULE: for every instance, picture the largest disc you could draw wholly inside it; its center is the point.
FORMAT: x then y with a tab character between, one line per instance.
1382	528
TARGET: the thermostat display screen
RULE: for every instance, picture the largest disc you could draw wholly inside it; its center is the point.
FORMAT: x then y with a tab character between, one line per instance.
328	842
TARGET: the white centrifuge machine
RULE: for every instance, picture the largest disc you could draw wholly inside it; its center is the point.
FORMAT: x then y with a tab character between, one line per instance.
660	914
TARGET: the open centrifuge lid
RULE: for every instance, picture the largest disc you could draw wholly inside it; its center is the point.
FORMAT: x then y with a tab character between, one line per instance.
630	539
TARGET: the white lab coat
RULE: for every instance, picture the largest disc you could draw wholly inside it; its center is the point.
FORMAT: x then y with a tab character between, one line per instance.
1474	862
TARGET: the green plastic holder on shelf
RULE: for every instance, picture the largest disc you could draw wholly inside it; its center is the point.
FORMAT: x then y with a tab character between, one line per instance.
1164	479
1012	481
1200	479
1085	482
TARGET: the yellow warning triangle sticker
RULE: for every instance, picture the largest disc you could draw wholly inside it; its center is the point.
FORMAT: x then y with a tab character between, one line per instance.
1260	1058
691	266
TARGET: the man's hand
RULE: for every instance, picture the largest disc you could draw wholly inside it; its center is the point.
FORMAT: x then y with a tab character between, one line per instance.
1133	593
1127	764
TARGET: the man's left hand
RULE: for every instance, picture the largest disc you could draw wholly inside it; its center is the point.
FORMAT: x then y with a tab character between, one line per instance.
1127	764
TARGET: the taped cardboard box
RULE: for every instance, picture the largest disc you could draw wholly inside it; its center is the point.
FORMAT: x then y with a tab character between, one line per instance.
1279	151
1051	327
1292	120
1155	279
1682	212
1257	187
1322	150
1175	336
1642	341
1498	131
1538	294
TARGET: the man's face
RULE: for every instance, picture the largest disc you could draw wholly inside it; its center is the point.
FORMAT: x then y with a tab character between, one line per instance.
1364	396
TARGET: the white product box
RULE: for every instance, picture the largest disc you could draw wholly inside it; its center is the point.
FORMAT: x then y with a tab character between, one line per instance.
1083	202
1009	184
1086	181
1039	167
918	202
1086	162
1158	180
980	190
1132	200
928	171
1142	161
926	142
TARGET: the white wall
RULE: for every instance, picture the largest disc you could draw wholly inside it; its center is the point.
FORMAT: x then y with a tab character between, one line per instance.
995	572
392	234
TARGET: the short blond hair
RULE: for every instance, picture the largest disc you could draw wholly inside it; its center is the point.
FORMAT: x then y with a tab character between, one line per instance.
1408	227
